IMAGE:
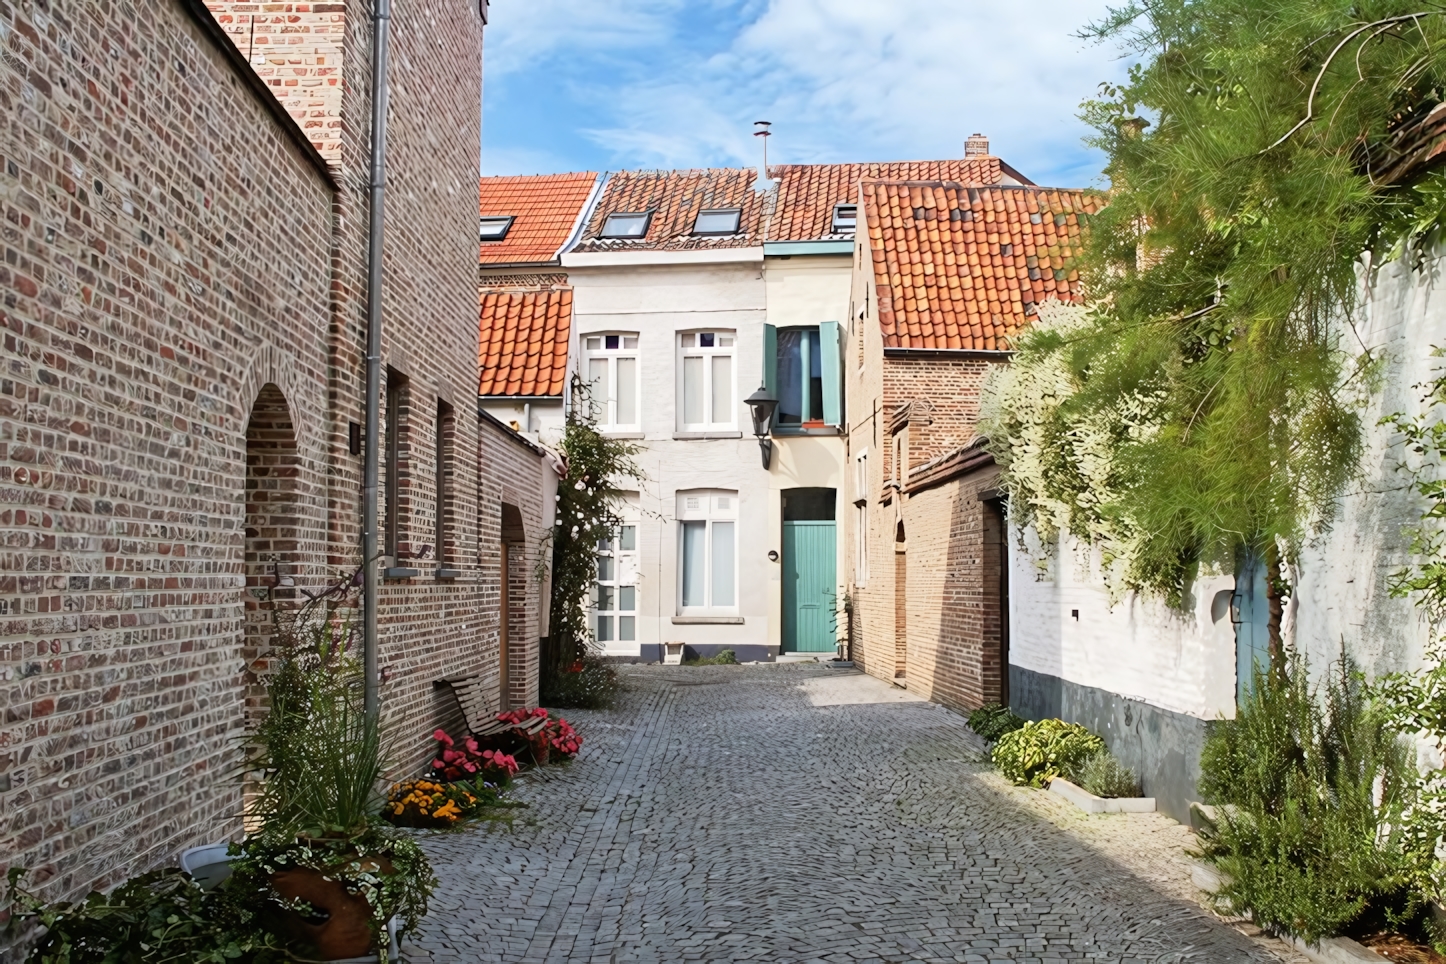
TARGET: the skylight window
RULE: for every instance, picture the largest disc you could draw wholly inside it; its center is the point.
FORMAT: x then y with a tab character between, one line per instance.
845	218
495	228
626	225
719	221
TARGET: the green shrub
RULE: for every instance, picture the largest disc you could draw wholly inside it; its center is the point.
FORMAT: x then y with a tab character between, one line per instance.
1038	752
724	657
592	687
1105	776
1314	786
993	720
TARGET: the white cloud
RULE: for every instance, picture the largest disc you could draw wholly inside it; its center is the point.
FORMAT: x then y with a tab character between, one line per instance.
840	79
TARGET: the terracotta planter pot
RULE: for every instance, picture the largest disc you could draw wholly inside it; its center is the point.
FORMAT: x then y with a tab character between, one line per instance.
342	926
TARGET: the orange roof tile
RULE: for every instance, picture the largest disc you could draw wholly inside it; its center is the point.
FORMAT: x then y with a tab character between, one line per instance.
546	207
675	198
523	344
807	193
961	267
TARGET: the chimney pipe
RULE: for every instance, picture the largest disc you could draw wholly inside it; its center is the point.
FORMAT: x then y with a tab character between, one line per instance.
977	145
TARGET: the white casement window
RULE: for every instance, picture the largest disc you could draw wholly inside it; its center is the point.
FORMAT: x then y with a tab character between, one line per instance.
707	552
706	389
615	593
861	519
610	365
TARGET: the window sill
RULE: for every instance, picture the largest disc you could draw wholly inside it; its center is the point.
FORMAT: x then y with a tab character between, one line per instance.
400	572
797	432
706	435
707	620
624	435
447	574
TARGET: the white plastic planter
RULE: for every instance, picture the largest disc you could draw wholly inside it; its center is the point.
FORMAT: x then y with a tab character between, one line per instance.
1090	803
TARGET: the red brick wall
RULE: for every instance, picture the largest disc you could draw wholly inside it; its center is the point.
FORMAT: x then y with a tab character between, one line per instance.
181	297
167	258
511	507
933	612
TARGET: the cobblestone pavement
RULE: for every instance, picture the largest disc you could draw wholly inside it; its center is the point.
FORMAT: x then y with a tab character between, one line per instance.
796	813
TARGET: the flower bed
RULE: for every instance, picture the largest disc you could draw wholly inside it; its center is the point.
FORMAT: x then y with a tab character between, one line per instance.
430	804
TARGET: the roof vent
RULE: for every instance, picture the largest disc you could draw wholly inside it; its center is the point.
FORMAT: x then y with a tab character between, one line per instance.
977	145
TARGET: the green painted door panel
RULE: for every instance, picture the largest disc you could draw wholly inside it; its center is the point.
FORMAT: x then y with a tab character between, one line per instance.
809	591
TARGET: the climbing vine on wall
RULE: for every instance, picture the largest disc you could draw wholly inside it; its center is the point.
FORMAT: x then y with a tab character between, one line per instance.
588	501
1261	155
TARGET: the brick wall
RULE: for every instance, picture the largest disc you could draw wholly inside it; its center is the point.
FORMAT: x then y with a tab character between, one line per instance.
183	313
512	510
167	273
927	611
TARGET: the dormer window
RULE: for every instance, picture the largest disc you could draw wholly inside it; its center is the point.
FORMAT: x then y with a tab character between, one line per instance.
845	218
626	225
718	221
495	228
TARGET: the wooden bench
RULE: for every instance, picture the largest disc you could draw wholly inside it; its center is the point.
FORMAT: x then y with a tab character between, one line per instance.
474	695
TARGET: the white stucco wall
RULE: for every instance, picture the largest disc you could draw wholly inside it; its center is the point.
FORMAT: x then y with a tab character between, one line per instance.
1137	648
658	302
1342	598
540	420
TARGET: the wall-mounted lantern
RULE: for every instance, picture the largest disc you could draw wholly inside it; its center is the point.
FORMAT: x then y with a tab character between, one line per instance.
761	405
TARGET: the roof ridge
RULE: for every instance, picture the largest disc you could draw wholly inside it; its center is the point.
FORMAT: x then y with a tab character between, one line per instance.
975	185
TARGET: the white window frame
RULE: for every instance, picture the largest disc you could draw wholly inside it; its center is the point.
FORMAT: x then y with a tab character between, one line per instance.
708	507
861	518
686	351
622	569
606	409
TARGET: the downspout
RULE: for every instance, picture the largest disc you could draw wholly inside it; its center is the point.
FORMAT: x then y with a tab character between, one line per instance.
381	30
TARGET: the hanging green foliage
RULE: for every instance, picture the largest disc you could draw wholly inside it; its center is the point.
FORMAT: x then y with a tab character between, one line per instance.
1260	153
588	503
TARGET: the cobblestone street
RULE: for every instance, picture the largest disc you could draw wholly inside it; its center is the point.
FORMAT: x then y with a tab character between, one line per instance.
798	813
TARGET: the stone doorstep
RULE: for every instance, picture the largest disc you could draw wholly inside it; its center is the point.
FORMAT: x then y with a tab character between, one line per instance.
1331	950
1090	803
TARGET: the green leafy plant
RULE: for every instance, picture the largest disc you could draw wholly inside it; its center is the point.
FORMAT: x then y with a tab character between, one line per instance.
1038	752
1105	776
380	864
1208	404
163	917
589	684
1314	789
588	503
320	756
993	720
724	657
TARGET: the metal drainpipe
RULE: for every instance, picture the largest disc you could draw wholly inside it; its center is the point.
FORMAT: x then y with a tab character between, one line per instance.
381	31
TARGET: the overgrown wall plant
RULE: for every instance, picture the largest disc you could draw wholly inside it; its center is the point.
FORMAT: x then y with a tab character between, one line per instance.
588	503
1416	701
1259	151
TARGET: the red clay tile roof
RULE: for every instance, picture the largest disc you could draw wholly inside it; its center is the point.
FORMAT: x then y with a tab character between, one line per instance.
962	267
523	345
675	198
546	207
807	193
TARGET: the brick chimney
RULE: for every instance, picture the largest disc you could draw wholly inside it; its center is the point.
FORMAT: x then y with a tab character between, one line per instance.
977	145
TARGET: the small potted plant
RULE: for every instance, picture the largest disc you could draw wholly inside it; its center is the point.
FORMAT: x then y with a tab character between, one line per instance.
332	872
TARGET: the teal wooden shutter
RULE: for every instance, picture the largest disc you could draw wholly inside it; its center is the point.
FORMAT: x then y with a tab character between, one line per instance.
770	359
831	366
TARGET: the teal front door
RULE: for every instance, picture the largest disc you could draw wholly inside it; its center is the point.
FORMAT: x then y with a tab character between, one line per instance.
809	592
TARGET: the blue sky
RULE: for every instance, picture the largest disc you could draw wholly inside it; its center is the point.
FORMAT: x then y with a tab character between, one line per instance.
611	84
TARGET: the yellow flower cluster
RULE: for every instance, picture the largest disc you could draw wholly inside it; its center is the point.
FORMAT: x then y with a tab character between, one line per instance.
432	801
